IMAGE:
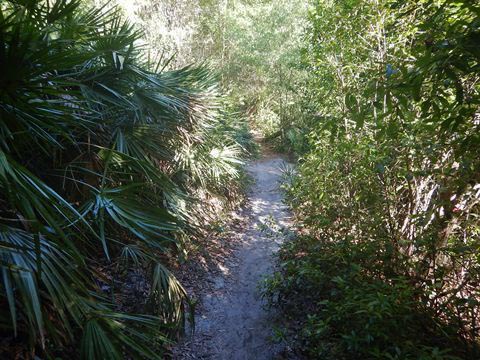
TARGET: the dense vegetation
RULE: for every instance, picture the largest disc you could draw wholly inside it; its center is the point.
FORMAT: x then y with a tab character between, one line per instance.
107	162
113	148
388	189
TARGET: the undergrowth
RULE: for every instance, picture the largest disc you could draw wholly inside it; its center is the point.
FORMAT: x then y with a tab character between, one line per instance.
339	305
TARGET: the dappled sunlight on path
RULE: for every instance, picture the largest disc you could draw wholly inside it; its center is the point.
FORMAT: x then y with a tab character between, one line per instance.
233	322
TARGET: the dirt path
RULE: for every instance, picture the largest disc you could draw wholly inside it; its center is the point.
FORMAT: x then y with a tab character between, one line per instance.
233	323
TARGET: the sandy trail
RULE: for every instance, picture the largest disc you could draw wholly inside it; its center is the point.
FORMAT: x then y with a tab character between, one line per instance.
233	322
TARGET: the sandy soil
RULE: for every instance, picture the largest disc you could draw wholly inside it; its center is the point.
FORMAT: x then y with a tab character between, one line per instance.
232	321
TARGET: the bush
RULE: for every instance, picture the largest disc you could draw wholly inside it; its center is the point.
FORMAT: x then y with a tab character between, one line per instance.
105	160
388	190
340	309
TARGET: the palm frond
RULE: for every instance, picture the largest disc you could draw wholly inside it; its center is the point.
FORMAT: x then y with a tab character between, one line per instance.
99	153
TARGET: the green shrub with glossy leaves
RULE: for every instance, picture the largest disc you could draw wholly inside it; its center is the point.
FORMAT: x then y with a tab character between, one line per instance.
388	190
338	305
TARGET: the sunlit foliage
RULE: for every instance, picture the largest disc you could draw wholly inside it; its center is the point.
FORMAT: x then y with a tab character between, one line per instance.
389	186
105	160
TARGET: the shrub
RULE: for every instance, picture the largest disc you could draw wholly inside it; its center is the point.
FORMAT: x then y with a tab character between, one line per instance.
104	160
388	191
339	307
